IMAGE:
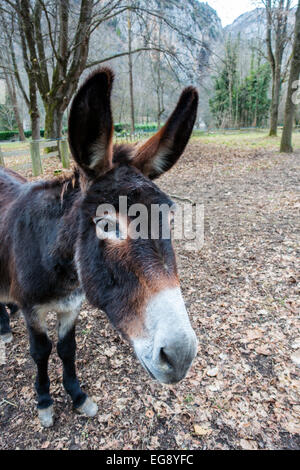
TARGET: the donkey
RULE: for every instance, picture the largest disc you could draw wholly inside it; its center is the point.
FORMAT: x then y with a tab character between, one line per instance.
5	331
56	250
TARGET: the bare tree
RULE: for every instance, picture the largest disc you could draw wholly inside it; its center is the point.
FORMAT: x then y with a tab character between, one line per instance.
276	39
10	64
69	55
55	38
12	34
286	140
130	67
157	74
12	93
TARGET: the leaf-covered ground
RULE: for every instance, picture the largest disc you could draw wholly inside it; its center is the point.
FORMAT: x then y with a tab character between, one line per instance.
242	293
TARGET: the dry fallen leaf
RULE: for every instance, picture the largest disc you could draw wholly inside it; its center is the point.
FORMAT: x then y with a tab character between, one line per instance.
200	431
264	350
248	445
149	413
293	428
45	445
296	343
254	334
296	358
212	372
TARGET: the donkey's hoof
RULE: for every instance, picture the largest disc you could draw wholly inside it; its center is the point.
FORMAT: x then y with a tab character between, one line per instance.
89	408
6	338
46	416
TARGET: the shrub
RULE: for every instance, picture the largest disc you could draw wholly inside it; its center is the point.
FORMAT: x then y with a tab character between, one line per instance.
7	135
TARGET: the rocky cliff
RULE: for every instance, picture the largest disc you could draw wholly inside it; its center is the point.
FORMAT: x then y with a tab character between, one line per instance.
252	25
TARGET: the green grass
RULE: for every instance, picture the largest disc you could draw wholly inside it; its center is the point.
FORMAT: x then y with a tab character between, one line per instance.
238	139
189	399
8	146
245	139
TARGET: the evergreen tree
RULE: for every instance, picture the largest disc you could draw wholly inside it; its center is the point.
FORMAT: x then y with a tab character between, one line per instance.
254	102
223	103
241	102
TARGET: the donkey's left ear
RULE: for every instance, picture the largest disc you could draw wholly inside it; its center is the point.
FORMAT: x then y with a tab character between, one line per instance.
91	124
163	150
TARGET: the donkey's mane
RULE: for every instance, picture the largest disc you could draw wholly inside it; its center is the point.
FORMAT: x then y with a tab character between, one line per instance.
62	185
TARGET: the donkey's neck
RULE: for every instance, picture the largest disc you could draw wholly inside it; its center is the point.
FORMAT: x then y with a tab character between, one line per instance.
70	195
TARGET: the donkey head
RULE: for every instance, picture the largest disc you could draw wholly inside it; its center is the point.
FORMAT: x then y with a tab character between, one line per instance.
132	278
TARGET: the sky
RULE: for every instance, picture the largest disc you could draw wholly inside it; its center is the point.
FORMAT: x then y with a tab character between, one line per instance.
229	10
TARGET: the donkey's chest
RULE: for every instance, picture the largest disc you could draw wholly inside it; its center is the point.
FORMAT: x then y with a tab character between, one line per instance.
69	303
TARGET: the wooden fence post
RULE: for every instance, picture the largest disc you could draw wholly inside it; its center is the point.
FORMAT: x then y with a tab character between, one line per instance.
1	158
64	153
37	168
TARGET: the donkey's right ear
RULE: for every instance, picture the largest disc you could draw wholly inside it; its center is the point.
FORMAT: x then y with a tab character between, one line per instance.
91	124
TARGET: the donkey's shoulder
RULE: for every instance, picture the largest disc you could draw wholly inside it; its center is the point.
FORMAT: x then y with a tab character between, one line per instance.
63	186
11	175
50	196
11	186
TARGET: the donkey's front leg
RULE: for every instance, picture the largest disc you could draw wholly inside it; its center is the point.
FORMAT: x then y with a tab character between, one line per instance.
40	349
66	349
5	332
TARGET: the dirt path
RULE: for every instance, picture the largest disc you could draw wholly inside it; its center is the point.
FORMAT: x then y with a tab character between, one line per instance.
242	292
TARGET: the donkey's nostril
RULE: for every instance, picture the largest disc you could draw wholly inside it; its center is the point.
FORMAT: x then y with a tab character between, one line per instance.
165	359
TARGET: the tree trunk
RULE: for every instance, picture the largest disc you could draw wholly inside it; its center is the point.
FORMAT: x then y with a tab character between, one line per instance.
53	121
35	125
34	110
275	102
230	99
132	118
158	110
13	96
53	125
160	104
277	19
160	85
286	140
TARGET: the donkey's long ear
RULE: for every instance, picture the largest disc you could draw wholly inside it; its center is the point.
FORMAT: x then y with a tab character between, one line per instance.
163	150
91	125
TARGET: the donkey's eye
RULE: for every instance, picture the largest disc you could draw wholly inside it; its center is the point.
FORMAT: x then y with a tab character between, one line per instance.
107	228
110	226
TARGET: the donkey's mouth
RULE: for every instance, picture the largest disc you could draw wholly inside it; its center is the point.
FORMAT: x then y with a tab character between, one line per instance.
162	376
147	369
